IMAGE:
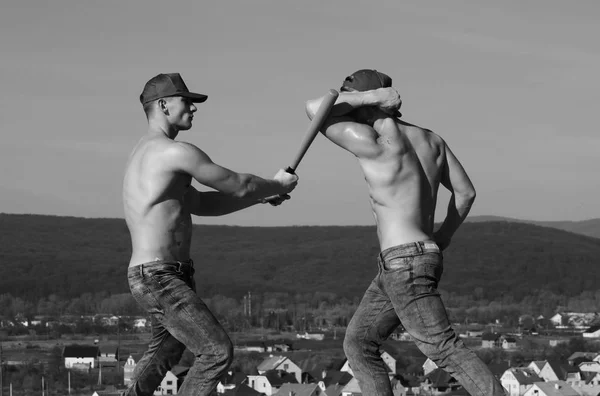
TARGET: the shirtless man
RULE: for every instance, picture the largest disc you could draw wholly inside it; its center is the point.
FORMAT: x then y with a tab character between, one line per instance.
159	201
403	166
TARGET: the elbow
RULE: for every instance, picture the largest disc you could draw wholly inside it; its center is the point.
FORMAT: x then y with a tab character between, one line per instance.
310	109
467	198
471	195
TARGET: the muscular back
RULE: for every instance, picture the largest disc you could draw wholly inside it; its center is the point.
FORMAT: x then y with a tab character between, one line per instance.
403	166
153	196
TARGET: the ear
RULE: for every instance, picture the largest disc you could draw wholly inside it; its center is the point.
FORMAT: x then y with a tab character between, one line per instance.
162	106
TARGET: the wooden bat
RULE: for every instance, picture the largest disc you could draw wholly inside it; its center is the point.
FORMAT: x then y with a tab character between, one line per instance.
313	128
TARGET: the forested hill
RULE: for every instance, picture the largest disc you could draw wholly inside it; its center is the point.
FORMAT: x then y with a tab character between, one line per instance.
589	227
68	256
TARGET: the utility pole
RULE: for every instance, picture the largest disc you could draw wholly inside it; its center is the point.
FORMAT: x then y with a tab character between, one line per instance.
119	349
1	371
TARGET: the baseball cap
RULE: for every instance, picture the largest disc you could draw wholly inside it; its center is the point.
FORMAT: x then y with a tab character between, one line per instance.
169	84
366	80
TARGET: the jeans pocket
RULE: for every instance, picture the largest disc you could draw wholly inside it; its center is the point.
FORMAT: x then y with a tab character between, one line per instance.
143	293
163	277
398	263
426	273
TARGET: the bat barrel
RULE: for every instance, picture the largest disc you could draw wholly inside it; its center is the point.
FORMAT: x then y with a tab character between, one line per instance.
314	127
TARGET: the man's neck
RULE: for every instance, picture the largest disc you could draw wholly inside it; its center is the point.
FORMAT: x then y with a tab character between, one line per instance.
160	127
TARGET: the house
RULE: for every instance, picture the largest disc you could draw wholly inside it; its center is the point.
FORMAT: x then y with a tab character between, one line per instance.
128	368
537	365
517	380
170	383
346	367
558	319
577	320
168	386
107	392
389	361
405	385
578	357
251	346
140	323
556	371
299	390
439	381
429	366
592	332
591	378
351	388
333	377
282	363
230	381
552	388
270	381
476	333
508	342
80	356
589	367
242	390
490	340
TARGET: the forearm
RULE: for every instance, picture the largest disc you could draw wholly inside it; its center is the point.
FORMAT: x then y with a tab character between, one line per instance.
348	101
458	210
253	187
215	203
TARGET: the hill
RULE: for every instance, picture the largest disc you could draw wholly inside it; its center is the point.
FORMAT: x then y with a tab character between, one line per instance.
68	256
585	227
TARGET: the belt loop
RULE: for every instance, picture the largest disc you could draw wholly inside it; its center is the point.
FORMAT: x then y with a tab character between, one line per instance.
179	267
141	270
419	247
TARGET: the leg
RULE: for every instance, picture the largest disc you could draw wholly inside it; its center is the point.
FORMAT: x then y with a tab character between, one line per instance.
164	351
169	295
372	323
412	287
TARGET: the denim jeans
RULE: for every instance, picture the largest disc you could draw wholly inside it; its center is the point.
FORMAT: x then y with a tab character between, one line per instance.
405	292
180	319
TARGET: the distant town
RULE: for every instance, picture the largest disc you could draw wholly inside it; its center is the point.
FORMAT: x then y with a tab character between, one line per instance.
96	355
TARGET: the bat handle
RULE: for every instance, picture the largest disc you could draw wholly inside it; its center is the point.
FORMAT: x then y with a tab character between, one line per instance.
290	170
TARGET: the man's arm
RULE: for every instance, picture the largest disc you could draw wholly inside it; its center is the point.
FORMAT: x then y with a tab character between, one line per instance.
387	99
189	159
456	180
215	203
360	139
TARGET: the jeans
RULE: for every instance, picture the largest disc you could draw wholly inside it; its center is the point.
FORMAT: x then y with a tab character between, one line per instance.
405	292
167	291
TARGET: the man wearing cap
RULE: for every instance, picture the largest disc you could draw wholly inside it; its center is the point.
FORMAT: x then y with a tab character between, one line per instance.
403	165
159	201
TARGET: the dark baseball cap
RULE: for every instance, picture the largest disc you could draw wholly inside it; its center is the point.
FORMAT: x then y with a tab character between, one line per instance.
169	84
366	80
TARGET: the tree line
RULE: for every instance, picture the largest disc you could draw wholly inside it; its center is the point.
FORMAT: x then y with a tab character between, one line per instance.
300	311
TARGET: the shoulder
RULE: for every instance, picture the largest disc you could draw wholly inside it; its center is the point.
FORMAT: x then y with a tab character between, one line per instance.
184	150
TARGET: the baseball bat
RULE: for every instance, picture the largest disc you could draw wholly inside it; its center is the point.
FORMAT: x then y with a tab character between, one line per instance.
313	128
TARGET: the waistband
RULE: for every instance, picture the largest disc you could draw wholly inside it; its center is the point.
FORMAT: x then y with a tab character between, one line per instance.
410	249
181	265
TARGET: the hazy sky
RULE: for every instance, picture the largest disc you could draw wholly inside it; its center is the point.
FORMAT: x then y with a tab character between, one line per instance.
513	87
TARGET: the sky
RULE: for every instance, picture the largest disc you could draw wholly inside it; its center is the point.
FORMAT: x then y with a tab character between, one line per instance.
513	87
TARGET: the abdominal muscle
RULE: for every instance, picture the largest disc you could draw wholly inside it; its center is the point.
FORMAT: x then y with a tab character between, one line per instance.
402	203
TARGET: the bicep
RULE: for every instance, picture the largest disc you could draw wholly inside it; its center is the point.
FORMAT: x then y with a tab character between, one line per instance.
359	139
193	161
454	177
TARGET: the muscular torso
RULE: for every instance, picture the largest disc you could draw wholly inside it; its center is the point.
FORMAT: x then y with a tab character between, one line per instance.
403	182
158	220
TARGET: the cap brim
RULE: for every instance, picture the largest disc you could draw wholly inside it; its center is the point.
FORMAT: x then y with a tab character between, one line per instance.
195	97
